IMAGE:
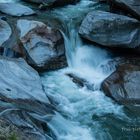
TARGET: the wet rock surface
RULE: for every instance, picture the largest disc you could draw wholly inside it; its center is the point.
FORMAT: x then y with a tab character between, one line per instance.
22	97
16	70
123	85
23	102
111	30
81	82
5	31
15	9
37	38
43	45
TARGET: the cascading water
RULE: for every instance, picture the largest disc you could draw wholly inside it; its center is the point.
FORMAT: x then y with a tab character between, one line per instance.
78	106
82	114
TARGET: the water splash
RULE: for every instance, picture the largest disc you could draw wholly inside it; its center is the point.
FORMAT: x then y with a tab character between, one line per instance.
78	106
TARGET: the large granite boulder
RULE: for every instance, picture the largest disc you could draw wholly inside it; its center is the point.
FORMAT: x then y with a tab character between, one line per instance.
44	46
5	31
123	85
19	81
15	9
23	101
111	30
131	7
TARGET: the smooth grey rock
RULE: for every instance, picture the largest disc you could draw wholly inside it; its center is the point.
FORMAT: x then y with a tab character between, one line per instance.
19	81
111	30
15	9
43	45
5	31
123	85
23	101
27	25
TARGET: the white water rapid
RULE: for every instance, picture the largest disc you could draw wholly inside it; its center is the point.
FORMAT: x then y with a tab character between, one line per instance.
82	113
78	106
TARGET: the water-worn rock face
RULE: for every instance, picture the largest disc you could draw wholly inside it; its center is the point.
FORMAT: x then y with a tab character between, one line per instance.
123	84
111	30
22	99
127	6
44	46
15	9
19	81
5	31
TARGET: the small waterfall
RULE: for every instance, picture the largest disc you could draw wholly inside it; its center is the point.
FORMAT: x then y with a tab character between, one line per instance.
82	114
71	17
77	106
71	43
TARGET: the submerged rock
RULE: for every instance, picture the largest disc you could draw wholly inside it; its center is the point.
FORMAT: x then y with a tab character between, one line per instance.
81	82
44	46
15	9
123	85
111	30
127	6
5	31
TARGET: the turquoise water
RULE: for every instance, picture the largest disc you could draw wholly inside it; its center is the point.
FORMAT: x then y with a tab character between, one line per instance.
83	114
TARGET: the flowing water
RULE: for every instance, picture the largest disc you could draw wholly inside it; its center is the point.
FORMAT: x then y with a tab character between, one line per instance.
83	114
